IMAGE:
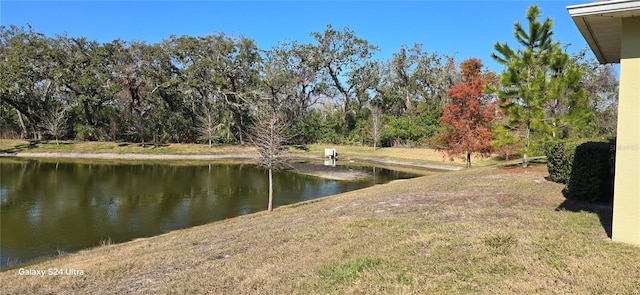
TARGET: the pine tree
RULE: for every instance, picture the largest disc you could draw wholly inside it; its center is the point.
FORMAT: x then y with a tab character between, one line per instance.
539	89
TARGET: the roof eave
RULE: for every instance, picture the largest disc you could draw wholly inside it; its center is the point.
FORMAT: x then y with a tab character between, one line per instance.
588	19
620	8
588	34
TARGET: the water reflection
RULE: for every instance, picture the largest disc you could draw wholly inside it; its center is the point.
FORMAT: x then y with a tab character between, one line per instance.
48	207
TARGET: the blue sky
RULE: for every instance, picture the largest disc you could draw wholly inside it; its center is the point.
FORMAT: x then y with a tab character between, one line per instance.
460	28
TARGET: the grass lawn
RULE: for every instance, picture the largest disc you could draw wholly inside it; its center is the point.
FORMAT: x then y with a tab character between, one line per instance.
486	230
17	145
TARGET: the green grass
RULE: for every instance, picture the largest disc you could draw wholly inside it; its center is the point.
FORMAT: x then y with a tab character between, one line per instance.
342	273
15	145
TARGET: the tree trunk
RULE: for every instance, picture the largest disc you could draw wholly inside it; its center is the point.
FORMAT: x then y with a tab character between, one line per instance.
87	113
525	161
345	104
36	135
24	128
270	207
238	119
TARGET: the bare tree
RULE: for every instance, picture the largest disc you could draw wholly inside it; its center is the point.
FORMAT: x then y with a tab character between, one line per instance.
53	122
376	125
268	134
207	124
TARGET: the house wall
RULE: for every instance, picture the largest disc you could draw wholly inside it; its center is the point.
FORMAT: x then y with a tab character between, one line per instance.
626	204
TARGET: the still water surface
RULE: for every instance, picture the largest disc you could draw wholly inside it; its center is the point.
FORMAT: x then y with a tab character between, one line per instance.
49	207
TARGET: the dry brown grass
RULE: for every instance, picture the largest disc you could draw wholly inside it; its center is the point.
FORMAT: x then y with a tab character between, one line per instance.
382	155
483	230
416	155
414	160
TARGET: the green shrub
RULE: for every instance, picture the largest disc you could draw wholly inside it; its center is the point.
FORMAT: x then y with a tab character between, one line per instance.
409	129
591	176
586	168
84	132
317	128
560	159
536	149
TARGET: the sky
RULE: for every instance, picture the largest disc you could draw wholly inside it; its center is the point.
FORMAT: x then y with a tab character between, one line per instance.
463	29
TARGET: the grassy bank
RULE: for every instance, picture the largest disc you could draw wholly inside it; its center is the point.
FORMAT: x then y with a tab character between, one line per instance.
16	145
416	155
484	230
405	155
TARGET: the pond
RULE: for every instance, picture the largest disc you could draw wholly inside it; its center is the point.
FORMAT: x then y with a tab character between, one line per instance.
50	207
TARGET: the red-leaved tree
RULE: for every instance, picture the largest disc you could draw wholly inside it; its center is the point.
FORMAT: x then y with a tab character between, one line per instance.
466	120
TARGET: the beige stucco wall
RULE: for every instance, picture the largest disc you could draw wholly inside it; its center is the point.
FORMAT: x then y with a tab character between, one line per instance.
626	204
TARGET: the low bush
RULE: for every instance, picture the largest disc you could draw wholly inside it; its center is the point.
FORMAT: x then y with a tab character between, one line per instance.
560	159
592	173
586	167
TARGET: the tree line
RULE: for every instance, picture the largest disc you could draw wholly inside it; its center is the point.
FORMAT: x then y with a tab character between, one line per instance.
211	89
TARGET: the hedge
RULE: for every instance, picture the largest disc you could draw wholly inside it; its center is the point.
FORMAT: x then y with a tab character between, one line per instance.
560	159
587	168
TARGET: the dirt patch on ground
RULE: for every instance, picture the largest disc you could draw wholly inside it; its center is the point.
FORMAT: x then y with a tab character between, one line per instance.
520	169
329	172
438	167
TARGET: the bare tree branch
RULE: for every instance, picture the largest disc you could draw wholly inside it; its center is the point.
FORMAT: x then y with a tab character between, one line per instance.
268	134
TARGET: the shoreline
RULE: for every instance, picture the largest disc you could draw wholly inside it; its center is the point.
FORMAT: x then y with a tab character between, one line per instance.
333	173
127	156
